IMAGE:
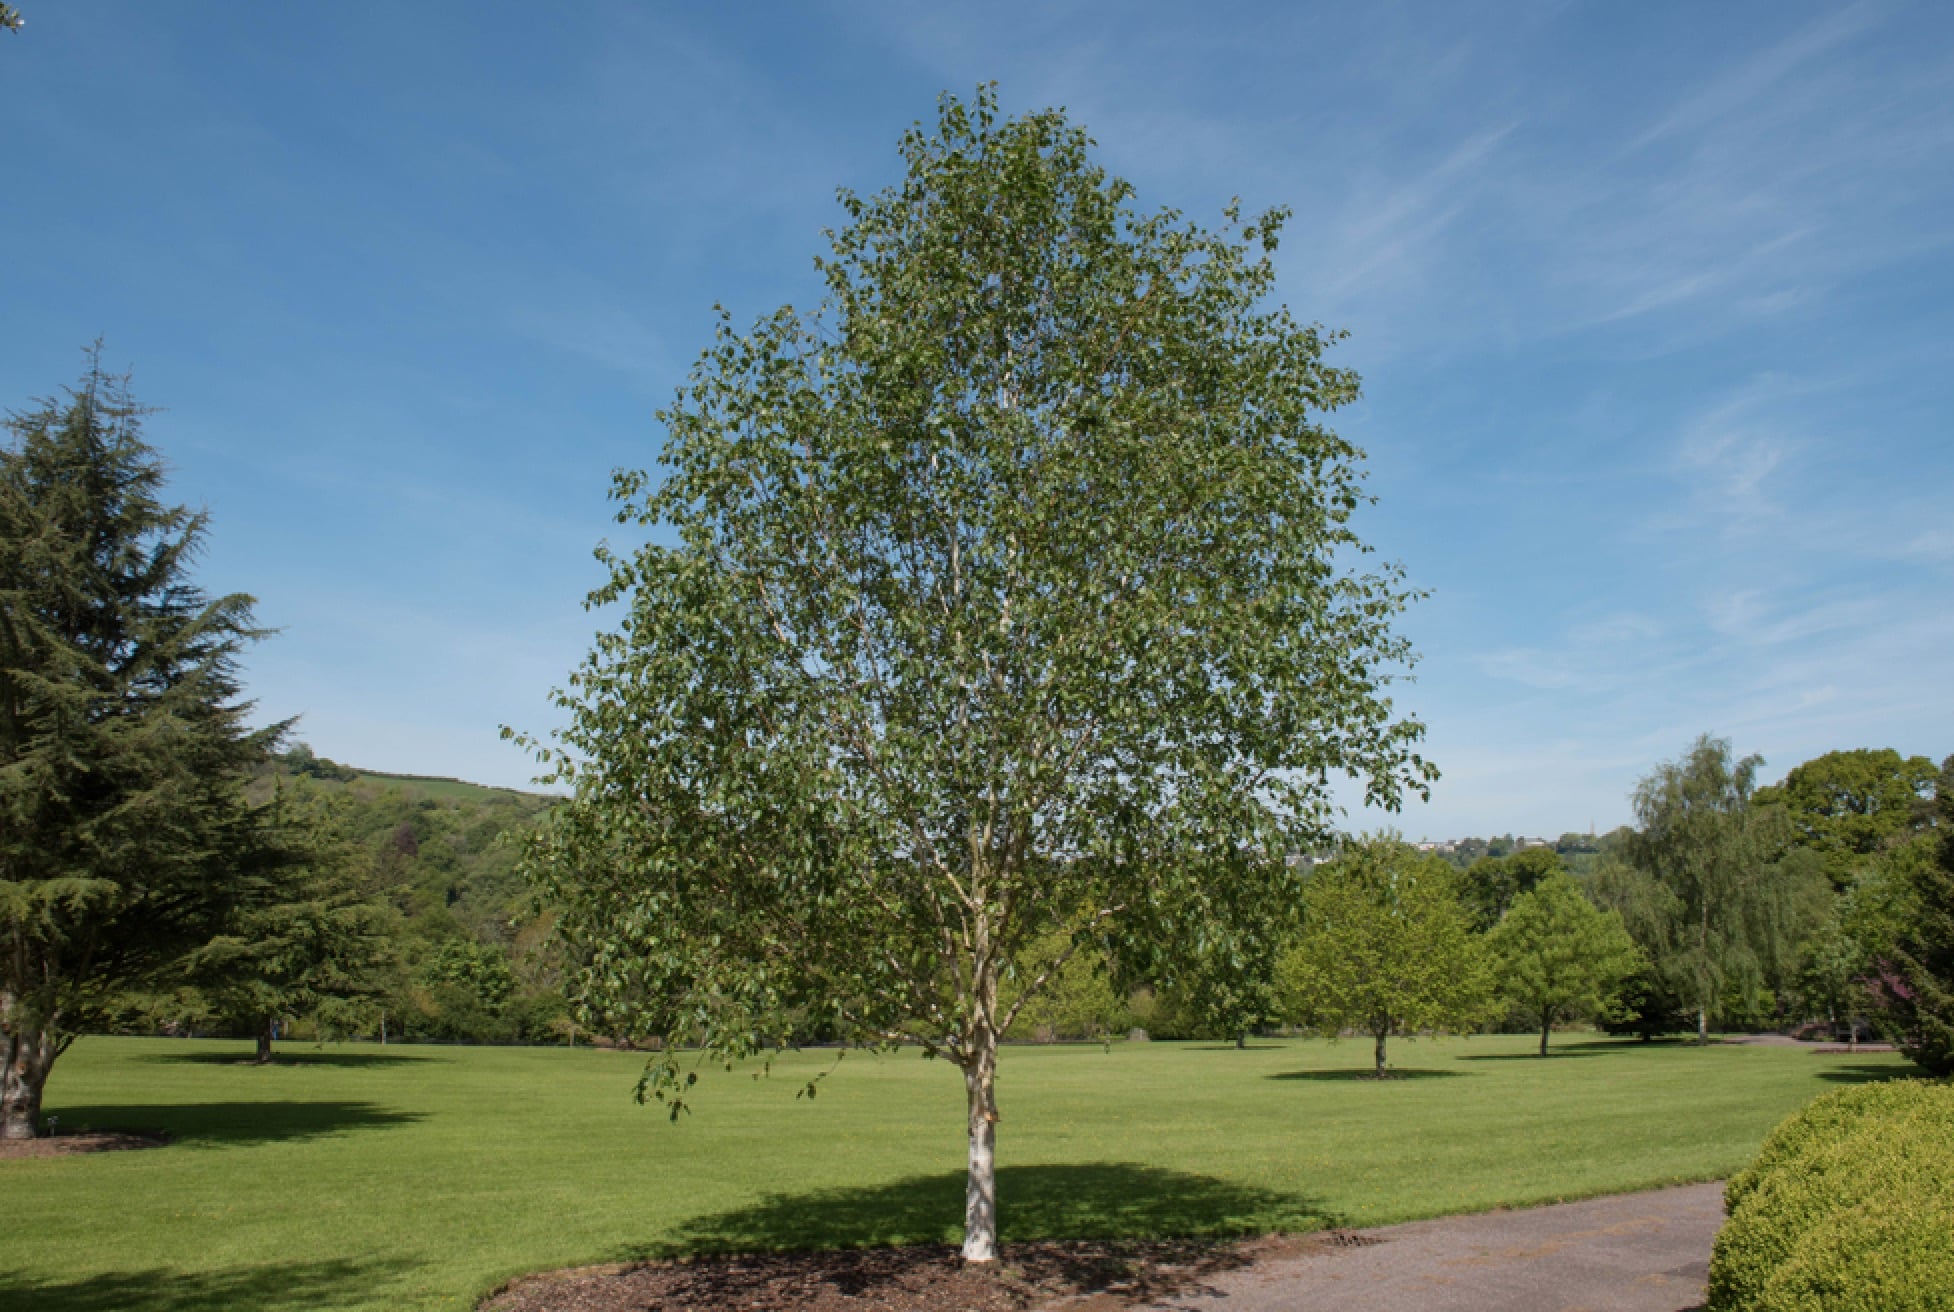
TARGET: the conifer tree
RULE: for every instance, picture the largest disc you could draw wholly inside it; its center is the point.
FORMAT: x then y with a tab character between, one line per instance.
123	741
301	935
1919	990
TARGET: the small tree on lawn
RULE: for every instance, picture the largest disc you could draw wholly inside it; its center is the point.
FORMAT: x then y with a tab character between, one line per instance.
1231	992
1387	947
1078	1001
1005	595
1558	955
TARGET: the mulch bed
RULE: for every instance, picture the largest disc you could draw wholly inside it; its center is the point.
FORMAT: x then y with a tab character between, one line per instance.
90	1141
1082	1276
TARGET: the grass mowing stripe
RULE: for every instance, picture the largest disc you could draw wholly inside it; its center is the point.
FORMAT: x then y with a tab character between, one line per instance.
357	1178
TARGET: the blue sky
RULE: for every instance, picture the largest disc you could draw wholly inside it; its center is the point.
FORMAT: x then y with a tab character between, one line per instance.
1652	304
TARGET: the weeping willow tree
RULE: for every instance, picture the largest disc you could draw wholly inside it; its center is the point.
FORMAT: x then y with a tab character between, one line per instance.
1706	888
1008	593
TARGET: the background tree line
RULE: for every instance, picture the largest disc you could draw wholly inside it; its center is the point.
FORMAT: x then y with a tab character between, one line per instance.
1819	904
307	897
472	952
1728	906
354	904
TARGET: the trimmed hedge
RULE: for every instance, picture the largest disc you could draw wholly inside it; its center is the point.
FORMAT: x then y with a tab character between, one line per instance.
1849	1207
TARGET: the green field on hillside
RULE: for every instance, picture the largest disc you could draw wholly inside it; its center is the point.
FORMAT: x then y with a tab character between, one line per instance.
420	1177
429	786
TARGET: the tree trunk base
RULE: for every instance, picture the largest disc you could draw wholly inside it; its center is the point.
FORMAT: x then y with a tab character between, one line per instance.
25	1059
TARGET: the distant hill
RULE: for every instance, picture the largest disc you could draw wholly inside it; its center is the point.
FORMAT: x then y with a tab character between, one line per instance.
472	944
430	785
301	761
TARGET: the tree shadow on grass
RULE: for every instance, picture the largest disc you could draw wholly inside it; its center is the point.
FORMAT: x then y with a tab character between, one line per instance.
228	1123
1097	1200
1369	1076
1864	1074
285	1057
271	1287
1581	1048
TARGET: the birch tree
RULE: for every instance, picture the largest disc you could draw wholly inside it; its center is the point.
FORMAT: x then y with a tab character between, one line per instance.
1010	591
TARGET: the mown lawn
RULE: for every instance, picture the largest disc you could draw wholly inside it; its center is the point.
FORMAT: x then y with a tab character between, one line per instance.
409	1177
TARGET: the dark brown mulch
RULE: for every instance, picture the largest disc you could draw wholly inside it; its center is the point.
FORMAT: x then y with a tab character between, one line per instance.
91	1141
1088	1276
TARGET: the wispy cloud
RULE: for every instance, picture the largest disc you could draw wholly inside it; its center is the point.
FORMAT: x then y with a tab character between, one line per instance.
1750	80
1652	315
1395	236
1728	458
1757	619
1591	653
1932	544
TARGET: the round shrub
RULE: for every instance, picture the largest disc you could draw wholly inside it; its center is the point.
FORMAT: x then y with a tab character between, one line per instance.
1849	1207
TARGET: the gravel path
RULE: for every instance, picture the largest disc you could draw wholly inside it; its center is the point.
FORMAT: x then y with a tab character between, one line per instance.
1647	1252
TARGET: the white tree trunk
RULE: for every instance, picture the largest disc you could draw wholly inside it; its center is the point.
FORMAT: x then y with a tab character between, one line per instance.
980	1190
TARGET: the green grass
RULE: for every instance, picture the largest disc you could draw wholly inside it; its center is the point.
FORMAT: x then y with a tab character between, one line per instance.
357	1177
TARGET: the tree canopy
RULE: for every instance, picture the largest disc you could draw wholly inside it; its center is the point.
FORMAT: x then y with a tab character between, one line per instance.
302	933
1493	882
123	740
1849	806
1009	592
